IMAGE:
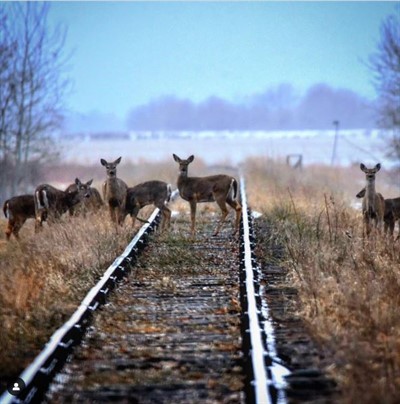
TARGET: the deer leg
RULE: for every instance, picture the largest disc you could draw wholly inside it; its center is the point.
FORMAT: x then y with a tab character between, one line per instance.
391	227
121	213
224	213
134	213
17	227
386	226
121	216
39	220
166	218
9	229
193	217
113	215
238	209
378	225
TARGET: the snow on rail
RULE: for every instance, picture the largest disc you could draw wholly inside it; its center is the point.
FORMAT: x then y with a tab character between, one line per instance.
267	379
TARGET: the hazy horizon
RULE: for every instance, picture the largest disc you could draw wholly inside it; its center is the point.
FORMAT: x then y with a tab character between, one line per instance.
129	57
279	108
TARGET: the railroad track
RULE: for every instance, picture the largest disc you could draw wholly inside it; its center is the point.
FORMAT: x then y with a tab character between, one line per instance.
188	326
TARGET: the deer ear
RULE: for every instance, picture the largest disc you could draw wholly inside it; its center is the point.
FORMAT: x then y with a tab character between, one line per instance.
118	160
103	162
362	167
361	194
77	181
176	158
378	167
190	159
89	183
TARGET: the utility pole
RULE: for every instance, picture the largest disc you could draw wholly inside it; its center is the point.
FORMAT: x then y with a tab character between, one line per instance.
336	124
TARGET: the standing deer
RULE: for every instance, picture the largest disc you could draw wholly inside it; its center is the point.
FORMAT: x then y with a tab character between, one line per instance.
51	203
17	210
157	193
391	215
91	204
220	188
373	204
114	192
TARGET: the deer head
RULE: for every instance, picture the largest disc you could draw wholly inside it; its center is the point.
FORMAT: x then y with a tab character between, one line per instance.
111	168
370	172
183	164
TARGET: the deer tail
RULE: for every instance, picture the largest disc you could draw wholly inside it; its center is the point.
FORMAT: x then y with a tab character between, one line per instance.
6	208
38	199
234	188
169	193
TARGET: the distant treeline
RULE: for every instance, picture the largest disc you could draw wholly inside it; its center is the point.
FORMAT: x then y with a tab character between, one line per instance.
275	109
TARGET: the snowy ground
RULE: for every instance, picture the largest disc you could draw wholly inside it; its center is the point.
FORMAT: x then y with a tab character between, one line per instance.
353	146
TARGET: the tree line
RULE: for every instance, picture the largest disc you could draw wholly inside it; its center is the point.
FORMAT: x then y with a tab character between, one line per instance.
31	92
279	108
33	88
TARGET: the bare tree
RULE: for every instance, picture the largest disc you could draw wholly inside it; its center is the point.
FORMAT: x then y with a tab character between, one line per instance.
385	66
31	89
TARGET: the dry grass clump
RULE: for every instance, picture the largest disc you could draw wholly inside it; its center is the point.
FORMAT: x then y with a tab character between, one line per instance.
45	276
349	286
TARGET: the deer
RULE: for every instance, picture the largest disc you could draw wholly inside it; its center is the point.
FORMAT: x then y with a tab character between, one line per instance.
114	192
373	204
17	210
51	203
391	215
220	188
91	204
157	193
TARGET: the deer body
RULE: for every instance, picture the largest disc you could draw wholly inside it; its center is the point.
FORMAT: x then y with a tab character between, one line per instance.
51	203
157	193
373	204
90	204
391	215
17	210
220	188
114	192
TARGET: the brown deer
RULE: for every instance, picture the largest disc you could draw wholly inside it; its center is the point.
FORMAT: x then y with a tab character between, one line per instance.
51	203
373	204
221	188
391	215
114	192
157	193
17	210
91	204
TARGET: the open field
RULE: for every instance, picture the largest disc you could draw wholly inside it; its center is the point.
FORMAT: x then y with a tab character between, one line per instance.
315	146
349	287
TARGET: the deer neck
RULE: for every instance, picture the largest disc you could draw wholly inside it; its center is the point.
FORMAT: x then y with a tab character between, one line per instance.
370	193
71	199
112	183
182	179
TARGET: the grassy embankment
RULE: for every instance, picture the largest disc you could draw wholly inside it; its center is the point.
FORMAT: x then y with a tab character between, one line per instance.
45	276
349	287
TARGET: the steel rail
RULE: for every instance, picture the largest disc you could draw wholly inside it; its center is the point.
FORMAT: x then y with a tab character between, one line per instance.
39	374
265	374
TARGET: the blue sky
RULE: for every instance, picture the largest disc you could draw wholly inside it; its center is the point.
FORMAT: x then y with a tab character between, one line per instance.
126	54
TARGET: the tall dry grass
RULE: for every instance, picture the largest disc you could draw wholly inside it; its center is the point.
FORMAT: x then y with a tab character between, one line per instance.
45	276
349	286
